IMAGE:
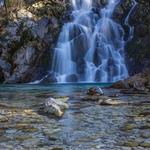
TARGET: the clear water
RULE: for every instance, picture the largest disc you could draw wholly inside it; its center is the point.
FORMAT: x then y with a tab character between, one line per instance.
85	125
91	47
51	87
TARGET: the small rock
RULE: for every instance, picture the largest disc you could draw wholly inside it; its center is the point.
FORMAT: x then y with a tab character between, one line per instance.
11	131
131	143
30	142
145	134
23	138
109	102
146	143
95	91
3	118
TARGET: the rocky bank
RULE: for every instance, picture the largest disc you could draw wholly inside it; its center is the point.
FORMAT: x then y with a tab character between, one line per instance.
137	84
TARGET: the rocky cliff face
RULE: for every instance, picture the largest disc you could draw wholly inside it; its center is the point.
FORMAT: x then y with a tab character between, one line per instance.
29	31
138	49
27	37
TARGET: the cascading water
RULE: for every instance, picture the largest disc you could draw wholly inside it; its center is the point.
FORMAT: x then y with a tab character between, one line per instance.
91	47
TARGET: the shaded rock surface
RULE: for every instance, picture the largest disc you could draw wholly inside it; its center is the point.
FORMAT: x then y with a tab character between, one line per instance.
139	83
28	33
138	48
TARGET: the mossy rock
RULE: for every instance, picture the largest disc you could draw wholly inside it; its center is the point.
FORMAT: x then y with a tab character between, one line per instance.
57	148
23	138
31	130
131	144
129	127
145	144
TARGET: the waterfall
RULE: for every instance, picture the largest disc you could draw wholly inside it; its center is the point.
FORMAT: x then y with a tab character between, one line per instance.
90	48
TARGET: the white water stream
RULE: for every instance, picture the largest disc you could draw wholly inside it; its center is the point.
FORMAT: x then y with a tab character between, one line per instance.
91	47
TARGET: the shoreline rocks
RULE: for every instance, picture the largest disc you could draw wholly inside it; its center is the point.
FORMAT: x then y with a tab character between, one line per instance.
137	84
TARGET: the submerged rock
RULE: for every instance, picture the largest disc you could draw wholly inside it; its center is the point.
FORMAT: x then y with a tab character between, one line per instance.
104	100
95	91
97	95
55	106
3	118
110	101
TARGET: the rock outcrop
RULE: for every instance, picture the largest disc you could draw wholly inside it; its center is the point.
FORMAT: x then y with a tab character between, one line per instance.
139	83
28	34
138	48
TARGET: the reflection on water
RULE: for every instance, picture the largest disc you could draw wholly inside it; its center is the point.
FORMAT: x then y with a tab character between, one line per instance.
85	125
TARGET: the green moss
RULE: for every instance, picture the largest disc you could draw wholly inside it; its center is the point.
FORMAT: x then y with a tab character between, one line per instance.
57	148
145	144
26	36
13	3
131	143
128	127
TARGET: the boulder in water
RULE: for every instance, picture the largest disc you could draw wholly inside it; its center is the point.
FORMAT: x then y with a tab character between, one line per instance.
55	106
95	91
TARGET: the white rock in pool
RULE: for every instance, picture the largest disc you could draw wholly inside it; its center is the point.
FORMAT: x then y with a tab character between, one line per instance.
55	106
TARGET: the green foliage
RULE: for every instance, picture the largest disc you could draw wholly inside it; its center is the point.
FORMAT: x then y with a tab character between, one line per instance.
14	3
25	35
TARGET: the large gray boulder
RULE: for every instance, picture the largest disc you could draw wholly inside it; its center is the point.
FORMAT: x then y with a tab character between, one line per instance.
55	107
